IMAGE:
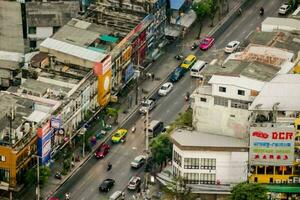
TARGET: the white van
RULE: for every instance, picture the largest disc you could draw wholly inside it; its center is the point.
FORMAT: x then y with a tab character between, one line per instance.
197	68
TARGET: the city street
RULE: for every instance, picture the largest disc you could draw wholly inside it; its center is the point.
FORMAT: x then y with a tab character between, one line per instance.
85	183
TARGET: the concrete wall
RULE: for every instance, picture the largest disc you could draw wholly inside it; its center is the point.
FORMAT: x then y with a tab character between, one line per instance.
217	119
231	167
42	33
231	92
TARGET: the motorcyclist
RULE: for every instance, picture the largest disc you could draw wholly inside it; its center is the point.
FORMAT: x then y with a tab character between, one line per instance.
261	11
67	196
187	96
109	166
240	11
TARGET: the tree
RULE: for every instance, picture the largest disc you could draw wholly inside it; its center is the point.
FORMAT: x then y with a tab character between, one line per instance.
213	8
185	119
113	113
179	190
30	176
201	9
248	191
161	149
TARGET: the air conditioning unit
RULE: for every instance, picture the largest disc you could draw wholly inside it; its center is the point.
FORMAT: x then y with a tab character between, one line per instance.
277	181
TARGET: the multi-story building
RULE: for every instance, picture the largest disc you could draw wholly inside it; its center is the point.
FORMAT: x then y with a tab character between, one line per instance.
222	106
209	163
21	116
273	130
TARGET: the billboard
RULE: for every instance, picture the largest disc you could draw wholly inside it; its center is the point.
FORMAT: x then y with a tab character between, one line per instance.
44	142
101	68
104	85
272	145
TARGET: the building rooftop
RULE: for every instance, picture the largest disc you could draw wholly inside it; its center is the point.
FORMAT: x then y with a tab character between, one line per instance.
81	33
50	14
282	90
73	50
40	88
198	139
240	81
9	65
11	32
292	24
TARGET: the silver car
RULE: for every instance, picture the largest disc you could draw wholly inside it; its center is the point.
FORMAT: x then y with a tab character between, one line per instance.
134	183
138	161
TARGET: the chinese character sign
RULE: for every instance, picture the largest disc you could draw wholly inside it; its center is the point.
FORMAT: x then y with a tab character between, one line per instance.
272	145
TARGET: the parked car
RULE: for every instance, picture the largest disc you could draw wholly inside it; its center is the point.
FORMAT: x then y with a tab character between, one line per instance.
138	161
177	74
284	9
106	185
119	135
165	89
134	183
102	150
147	105
232	46
188	62
206	43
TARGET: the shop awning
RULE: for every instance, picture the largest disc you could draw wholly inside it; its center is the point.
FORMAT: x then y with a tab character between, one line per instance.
280	188
176	4
108	38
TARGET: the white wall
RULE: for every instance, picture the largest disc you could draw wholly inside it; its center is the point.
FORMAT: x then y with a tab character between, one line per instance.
42	33
231	167
231	92
217	119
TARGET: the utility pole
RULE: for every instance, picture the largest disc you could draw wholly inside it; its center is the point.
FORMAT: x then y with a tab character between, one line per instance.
38	192
147	133
137	79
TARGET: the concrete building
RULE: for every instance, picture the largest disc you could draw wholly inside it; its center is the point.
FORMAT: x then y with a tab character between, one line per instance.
222	106
274	123
280	24
210	164
43	19
21	116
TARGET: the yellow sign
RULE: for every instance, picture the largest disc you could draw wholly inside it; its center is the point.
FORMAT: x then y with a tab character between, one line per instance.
104	86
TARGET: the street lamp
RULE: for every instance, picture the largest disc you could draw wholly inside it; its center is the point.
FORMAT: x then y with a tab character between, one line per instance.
83	142
38	192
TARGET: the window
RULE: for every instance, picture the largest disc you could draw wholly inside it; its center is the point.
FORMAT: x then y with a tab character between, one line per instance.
191	163
177	158
239	104
221	101
32	44
32	30
208	178
191	178
203	99
4	175
222	89
241	92
2	158
208	163
176	171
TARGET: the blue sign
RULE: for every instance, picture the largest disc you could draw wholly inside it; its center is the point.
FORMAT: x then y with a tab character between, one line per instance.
44	147
129	72
55	122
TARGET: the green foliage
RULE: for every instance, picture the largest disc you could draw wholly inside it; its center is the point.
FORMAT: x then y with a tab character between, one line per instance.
113	113
248	191
161	149
185	119
31	175
201	9
179	190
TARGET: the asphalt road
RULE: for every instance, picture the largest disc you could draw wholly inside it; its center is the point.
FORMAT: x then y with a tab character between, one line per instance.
84	184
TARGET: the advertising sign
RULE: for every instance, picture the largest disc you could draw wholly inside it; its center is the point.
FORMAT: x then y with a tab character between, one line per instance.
272	145
44	142
129	72
103	67
55	122
104	84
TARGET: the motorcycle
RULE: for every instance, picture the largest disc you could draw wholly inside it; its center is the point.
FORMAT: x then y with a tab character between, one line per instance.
133	129
261	11
58	175
109	166
194	46
67	196
179	57
187	96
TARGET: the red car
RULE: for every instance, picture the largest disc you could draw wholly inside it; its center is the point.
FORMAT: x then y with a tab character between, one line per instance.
206	43
102	150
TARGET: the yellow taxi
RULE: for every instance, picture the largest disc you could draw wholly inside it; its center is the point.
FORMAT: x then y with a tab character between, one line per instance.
188	61
119	135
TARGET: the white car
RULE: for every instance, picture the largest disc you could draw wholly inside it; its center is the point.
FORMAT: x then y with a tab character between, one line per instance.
134	183
138	161
284	9
232	46
165	89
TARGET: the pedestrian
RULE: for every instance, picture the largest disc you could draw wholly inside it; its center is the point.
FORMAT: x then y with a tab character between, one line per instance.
152	77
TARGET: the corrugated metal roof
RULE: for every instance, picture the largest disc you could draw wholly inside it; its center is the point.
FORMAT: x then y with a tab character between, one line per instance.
73	50
239	81
283	89
199	139
176	4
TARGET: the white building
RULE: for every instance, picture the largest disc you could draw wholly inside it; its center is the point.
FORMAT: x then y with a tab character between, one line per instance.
204	159
280	24
222	106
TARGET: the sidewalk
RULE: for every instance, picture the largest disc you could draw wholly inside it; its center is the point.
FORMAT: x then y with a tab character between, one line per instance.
161	68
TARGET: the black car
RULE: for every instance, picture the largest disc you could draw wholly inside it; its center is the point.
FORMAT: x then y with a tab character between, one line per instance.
106	185
177	74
